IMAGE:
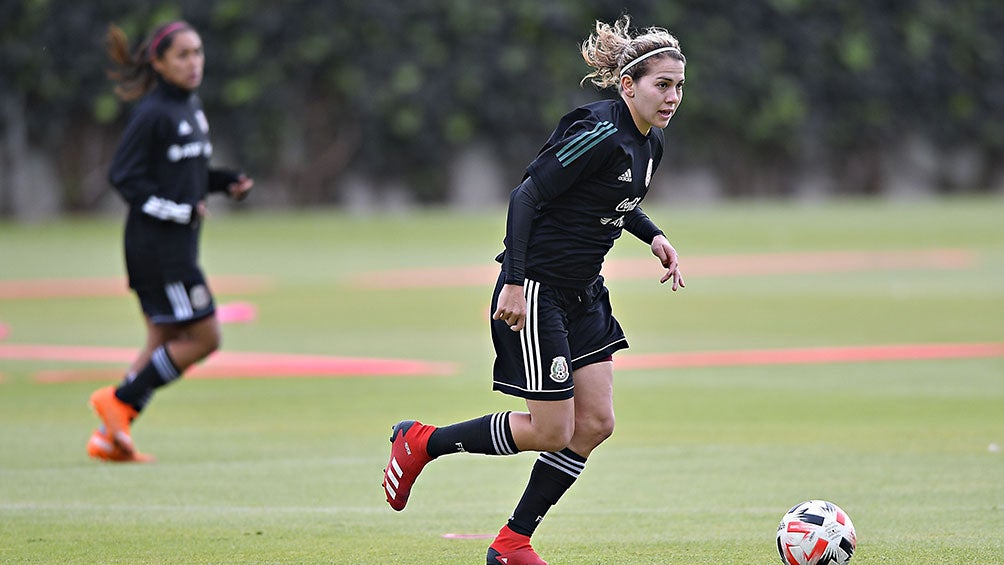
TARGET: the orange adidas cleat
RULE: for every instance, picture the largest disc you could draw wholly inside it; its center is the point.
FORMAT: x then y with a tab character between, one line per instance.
100	446
116	416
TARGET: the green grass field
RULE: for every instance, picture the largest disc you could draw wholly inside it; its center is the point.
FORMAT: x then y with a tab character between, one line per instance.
704	462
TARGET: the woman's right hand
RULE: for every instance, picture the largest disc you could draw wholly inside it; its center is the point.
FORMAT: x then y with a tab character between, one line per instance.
239	190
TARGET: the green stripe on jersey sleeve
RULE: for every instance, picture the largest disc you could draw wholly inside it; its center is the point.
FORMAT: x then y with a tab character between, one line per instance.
584	142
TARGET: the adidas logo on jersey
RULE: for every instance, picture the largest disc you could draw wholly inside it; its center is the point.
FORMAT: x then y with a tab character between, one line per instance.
184	128
625	176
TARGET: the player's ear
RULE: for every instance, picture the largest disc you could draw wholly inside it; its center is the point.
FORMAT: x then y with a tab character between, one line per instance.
627	86
158	64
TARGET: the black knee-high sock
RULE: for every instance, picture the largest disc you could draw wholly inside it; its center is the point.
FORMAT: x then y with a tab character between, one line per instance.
136	391
489	435
552	475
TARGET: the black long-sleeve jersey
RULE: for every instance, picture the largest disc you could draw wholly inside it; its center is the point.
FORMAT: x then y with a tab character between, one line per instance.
161	169
581	191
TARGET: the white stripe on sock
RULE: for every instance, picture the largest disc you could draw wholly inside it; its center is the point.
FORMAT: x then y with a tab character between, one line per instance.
162	362
563	463
499	440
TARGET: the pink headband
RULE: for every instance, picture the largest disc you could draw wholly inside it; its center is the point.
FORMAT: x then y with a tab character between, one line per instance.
168	30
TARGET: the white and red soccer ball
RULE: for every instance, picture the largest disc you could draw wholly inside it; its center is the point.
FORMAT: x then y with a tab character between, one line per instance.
816	532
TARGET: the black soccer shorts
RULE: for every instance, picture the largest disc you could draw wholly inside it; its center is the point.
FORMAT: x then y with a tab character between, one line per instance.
566	329
177	302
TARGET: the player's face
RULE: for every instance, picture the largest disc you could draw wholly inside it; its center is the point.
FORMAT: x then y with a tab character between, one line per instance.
655	97
182	62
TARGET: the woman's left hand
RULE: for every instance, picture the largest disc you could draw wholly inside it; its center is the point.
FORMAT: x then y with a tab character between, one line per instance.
667	255
239	190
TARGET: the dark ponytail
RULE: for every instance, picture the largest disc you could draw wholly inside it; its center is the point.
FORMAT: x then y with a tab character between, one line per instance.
134	75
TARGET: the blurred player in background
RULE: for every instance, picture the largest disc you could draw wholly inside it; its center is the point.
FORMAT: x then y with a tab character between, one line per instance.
552	325
161	169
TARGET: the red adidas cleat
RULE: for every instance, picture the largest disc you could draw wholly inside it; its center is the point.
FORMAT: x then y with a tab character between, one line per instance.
116	415
519	557
100	446
408	457
510	548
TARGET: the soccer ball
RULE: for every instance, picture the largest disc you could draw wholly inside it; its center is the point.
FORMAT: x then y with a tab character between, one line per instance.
816	532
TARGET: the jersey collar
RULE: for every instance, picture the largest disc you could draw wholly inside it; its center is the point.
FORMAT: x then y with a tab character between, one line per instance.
626	123
172	90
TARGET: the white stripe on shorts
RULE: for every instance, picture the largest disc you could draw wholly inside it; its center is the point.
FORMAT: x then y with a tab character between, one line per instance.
611	344
178	298
530	339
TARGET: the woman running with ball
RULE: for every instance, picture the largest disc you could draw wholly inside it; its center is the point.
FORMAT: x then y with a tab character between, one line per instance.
552	325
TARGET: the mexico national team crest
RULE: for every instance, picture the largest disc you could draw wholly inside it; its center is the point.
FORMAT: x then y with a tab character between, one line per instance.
199	295
559	370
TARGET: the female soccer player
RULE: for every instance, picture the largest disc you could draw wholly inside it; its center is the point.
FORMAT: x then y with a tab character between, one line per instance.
161	169
552	325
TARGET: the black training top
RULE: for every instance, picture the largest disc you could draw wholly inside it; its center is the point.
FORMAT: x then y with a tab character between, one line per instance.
161	169
583	188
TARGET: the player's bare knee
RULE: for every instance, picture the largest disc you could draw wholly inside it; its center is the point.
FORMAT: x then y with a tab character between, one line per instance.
605	427
596	428
555	438
214	342
210	340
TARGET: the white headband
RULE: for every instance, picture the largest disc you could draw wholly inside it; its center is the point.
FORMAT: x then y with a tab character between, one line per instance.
625	68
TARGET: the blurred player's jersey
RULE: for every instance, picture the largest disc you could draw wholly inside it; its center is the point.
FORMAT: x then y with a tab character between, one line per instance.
161	169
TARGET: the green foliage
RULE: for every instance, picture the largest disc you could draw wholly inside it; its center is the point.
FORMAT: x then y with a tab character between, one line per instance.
401	87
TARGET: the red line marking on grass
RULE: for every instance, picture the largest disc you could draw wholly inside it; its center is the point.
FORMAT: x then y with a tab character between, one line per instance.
80	375
697	266
247	364
807	262
225	364
116	286
72	353
468	536
236	313
813	355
